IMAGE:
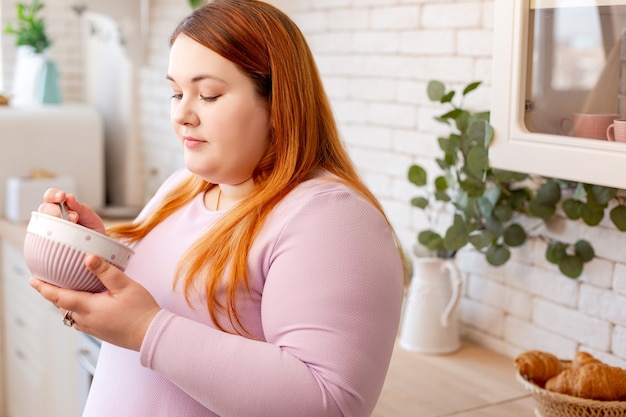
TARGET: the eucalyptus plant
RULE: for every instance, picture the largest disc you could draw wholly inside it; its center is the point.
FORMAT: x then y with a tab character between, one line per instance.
31	28
486	205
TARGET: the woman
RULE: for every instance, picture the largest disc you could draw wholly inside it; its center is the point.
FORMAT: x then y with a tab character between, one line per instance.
266	279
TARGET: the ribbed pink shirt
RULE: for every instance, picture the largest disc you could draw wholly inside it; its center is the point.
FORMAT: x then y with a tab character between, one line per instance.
324	303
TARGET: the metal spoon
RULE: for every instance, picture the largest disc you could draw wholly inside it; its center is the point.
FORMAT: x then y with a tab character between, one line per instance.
64	210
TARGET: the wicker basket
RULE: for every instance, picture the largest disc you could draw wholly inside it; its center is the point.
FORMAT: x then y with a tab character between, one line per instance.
553	404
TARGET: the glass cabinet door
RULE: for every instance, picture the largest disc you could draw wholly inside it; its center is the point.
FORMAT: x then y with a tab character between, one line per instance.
559	89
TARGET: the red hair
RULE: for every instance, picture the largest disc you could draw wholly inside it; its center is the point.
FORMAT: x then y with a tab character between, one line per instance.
270	49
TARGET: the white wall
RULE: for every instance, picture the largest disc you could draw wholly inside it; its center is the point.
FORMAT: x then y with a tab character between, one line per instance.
376	57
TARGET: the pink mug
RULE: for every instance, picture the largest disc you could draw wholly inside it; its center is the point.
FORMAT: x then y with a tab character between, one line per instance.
616	132
588	125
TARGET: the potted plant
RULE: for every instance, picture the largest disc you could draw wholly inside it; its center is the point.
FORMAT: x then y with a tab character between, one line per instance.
485	206
36	76
31	28
470	203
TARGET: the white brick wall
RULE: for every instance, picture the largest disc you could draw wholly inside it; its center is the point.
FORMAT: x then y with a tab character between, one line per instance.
376	58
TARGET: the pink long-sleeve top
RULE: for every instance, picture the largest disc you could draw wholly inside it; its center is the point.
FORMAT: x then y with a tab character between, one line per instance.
324	301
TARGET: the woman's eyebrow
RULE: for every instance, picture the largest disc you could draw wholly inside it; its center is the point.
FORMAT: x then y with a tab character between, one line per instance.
199	78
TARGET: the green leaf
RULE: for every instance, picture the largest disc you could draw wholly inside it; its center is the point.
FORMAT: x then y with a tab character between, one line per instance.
572	209
435	90
508	176
492	194
481	132
471	87
555	252
494	226
419	202
482	239
462	120
503	212
447	145
485	206
430	239
442	196
602	195
618	217
549	193
502	175
417	175
514	235
540	210
519	198
478	159
592	216
441	184
571	266
457	235
451	115
497	255
448	97
584	250
474	187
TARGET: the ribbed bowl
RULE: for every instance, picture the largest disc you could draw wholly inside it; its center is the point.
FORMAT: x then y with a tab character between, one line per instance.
55	251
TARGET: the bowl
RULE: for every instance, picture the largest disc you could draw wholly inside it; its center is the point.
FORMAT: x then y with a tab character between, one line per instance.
55	251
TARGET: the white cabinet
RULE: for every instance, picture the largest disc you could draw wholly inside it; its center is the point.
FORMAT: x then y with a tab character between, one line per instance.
41	368
552	59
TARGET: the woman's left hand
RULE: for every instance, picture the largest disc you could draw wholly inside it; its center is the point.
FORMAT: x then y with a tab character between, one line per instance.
120	316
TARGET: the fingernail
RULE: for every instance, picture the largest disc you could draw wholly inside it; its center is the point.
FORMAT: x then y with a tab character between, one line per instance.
58	195
96	262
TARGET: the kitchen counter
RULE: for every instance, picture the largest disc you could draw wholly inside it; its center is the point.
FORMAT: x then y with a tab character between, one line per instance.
472	382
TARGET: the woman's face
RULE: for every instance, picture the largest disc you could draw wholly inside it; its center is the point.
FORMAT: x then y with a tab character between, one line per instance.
221	121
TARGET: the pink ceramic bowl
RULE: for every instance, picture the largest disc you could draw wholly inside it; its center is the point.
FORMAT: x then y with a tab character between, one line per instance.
55	250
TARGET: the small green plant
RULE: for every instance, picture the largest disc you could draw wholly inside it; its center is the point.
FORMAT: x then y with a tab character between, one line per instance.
30	29
194	4
486	205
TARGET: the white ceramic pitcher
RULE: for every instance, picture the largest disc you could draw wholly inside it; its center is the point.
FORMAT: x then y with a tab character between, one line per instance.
430	323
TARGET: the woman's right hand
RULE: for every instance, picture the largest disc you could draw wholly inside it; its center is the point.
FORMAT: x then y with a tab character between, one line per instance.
77	212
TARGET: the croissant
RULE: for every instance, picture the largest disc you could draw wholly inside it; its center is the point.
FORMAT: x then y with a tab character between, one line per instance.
594	381
584	358
538	366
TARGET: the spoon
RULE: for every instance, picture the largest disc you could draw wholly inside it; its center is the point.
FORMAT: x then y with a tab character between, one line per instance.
64	211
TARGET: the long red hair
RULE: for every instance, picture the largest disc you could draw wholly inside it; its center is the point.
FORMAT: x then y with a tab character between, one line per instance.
267	46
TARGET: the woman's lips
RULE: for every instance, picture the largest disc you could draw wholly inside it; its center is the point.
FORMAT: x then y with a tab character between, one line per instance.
192	142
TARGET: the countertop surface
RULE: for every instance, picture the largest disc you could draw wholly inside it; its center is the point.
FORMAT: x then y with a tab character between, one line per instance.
471	382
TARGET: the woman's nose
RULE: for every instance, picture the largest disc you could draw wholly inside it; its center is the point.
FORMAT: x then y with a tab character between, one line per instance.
184	114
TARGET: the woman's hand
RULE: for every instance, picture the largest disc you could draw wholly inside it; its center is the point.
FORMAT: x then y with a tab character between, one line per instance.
121	315
78	212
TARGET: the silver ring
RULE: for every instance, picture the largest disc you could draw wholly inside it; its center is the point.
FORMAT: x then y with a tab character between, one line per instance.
67	319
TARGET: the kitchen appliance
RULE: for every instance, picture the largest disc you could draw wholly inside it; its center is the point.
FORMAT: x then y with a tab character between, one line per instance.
63	140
